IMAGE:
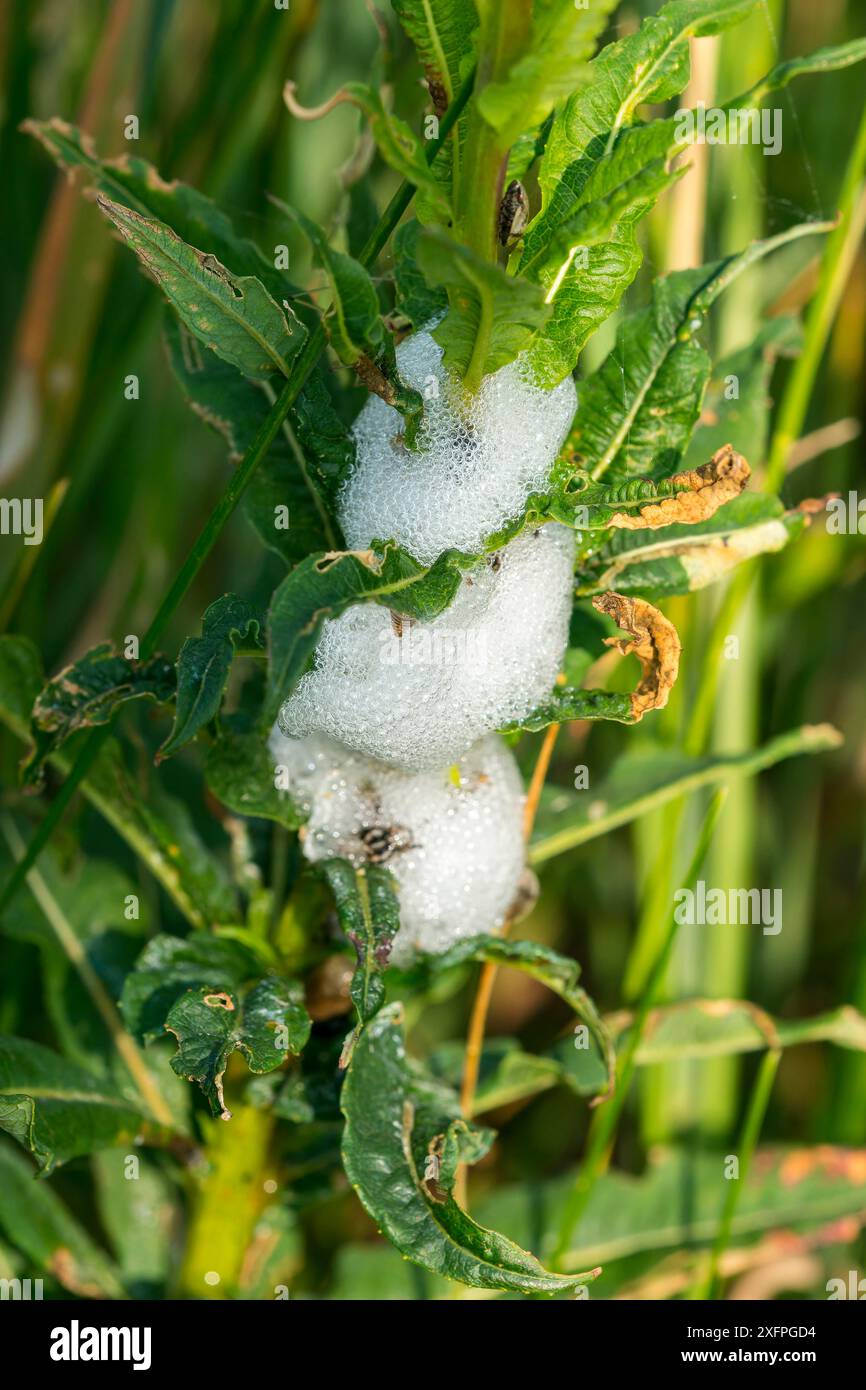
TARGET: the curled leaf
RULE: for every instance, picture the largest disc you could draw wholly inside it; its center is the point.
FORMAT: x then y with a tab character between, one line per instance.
654	642
697	494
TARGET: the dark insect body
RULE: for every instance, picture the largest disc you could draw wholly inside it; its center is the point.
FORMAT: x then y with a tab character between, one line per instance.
513	213
380	842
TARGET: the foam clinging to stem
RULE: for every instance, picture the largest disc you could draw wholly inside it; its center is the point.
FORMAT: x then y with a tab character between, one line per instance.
475	464
458	850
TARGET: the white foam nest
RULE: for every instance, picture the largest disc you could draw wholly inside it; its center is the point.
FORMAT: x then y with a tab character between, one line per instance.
458	851
473	468
419	700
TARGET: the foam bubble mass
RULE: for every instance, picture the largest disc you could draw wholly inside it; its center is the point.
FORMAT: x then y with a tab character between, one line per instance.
419	695
474	467
454	845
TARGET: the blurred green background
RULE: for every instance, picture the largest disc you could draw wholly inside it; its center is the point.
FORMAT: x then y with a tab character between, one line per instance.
133	480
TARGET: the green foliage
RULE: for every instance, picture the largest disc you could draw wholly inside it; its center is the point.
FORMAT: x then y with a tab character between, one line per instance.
492	316
233	315
58	1110
331	1089
265	1023
204	663
385	1148
89	693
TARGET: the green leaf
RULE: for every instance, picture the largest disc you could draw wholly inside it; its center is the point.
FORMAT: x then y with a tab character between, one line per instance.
638	410
304	467
382	1145
441	31
170	965
239	770
651	65
841	55
137	185
420	304
140	1218
556	972
400	147
794	1188
265	1023
354	322
158	828
87	694
39	1224
679	559
235	316
642	781
58	1110
693	1030
323	586
204	663
369	915
562	40
492	316
567	702
594	221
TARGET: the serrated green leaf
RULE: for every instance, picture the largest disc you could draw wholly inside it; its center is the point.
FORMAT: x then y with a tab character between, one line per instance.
235	316
562	40
323	586
638	410
239	770
651	65
381	1144
594	220
492	316
204	663
39	1224
58	1110
265	1023
87	694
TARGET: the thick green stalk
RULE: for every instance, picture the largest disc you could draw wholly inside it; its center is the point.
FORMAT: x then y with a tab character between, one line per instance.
604	1124
240	479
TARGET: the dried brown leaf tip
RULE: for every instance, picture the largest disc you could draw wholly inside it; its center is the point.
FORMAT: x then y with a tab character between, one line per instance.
654	642
699	494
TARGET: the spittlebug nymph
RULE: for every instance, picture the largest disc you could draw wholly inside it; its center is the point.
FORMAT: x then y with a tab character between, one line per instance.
513	213
380	842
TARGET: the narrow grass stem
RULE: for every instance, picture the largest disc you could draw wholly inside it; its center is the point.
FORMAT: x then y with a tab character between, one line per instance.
752	1124
603	1128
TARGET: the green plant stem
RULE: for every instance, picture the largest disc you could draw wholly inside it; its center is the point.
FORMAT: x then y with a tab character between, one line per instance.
835	267
602	1131
126	1046
300	370
752	1125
